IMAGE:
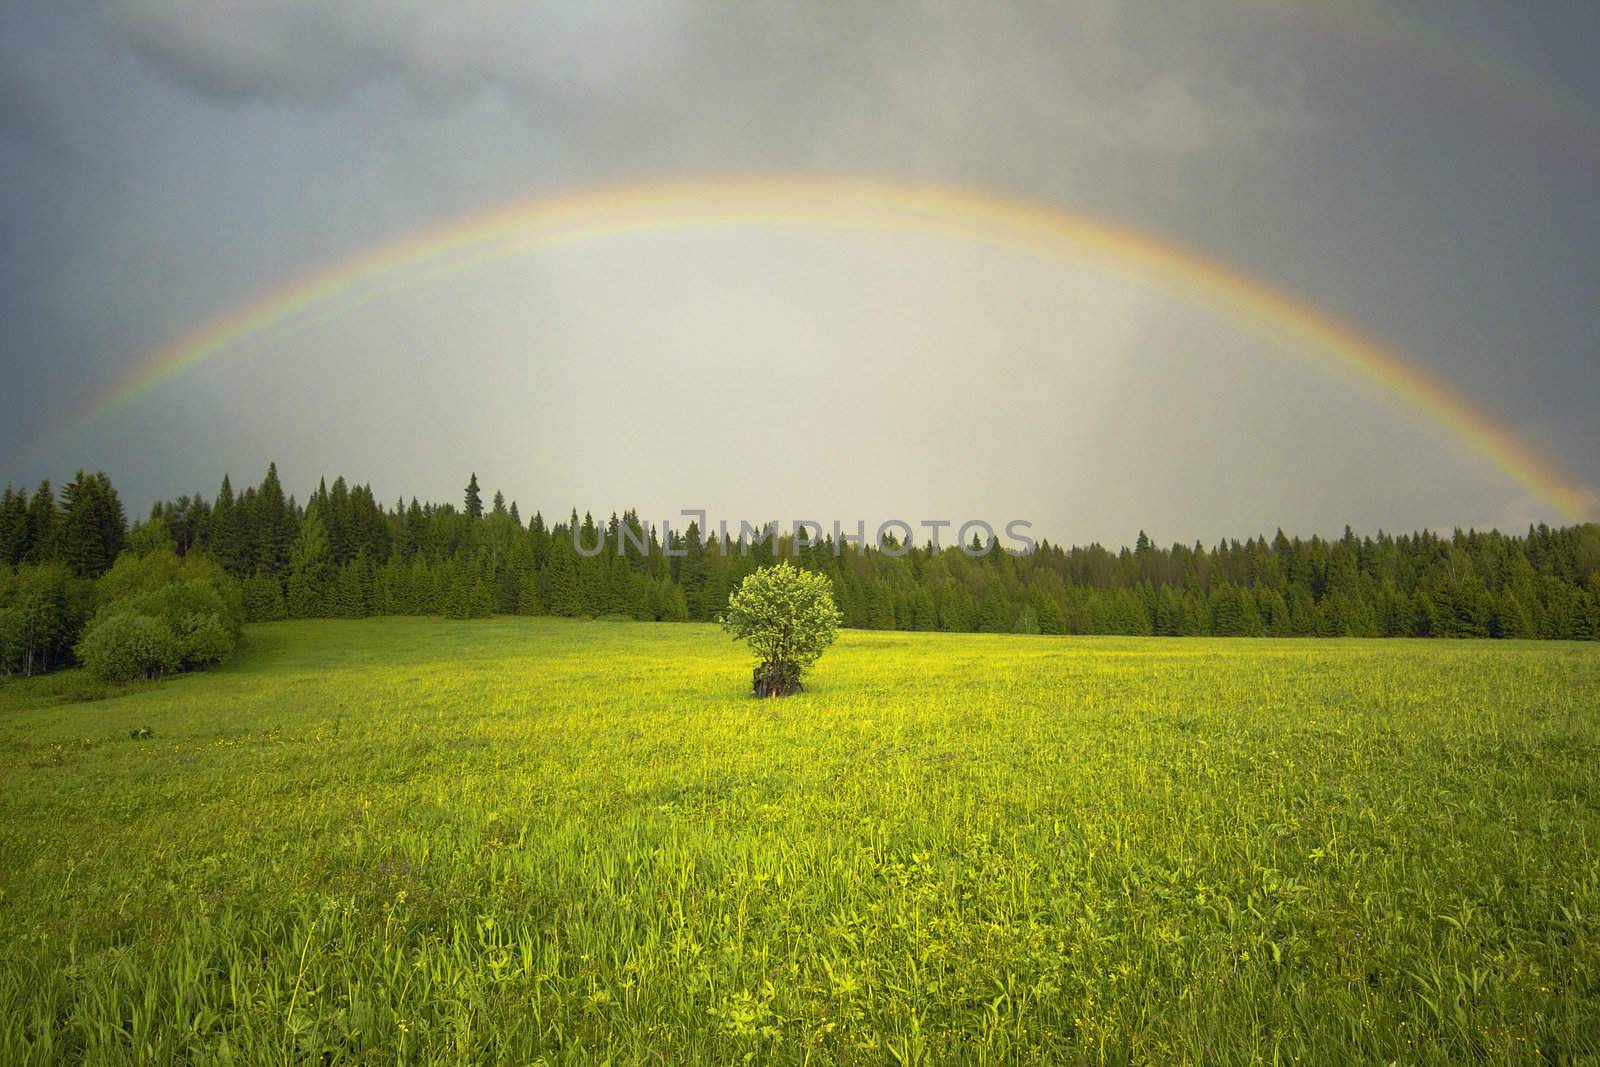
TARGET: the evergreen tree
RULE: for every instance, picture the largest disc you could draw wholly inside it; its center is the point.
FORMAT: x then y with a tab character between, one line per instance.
674	607
347	601
995	617
14	539
263	598
432	558
227	533
43	518
560	590
1049	614
528	600
311	570
474	500
273	524
93	528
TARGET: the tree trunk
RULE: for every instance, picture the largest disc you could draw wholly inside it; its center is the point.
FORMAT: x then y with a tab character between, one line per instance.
778	678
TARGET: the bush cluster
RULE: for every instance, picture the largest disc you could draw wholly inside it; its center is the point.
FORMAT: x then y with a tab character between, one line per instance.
160	614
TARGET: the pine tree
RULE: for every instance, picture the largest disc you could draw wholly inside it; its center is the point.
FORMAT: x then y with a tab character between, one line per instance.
591	571
674	608
339	517
311	571
995	618
880	605
427	558
263	598
418	587
347	601
560	590
273	524
1512	619
14	539
479	600
1049	614
227	541
528	600
538	541
43	518
474	500
93	529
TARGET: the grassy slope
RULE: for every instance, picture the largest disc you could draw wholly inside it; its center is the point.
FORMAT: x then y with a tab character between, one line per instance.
417	840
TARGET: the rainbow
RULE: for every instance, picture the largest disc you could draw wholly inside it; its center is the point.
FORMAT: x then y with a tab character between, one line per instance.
848	203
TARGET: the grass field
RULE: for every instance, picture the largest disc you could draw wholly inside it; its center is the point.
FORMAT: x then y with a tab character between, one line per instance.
515	841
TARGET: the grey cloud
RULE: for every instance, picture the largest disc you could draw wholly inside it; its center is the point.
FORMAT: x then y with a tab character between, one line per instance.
24	119
309	52
820	77
229	145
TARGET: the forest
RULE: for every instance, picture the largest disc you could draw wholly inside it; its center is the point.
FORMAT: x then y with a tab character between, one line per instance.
342	554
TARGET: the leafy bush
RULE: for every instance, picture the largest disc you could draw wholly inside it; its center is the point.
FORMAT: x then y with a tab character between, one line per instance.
185	604
160	614
161	572
120	647
788	618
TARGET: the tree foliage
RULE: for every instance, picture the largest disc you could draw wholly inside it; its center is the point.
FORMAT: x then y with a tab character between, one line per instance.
343	553
161	613
788	618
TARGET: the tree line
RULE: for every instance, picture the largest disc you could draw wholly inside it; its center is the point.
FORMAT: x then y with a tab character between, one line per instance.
344	554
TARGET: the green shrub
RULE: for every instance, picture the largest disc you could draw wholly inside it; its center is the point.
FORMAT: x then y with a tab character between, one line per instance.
202	640
136	576
184	600
788	618
159	613
119	647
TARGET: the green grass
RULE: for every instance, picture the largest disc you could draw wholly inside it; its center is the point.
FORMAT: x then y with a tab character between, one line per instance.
515	841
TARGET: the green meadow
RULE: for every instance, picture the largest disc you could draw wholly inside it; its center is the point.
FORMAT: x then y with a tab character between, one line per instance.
536	841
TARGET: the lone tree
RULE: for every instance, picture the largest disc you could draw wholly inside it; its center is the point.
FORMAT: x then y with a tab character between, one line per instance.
787	618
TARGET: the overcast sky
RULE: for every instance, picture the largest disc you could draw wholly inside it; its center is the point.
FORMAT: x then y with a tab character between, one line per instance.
1431	182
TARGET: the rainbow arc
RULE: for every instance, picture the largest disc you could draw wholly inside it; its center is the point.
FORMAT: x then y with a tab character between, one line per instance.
873	205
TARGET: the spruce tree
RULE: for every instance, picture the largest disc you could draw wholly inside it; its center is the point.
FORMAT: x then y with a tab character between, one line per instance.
311	571
346	602
538	541
226	541
528	600
995	618
263	598
13	527
274	524
674	608
338	515
474	500
78	539
93	528
43	518
560	591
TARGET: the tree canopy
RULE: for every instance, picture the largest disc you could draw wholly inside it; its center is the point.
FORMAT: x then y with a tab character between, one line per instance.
343	553
788	618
